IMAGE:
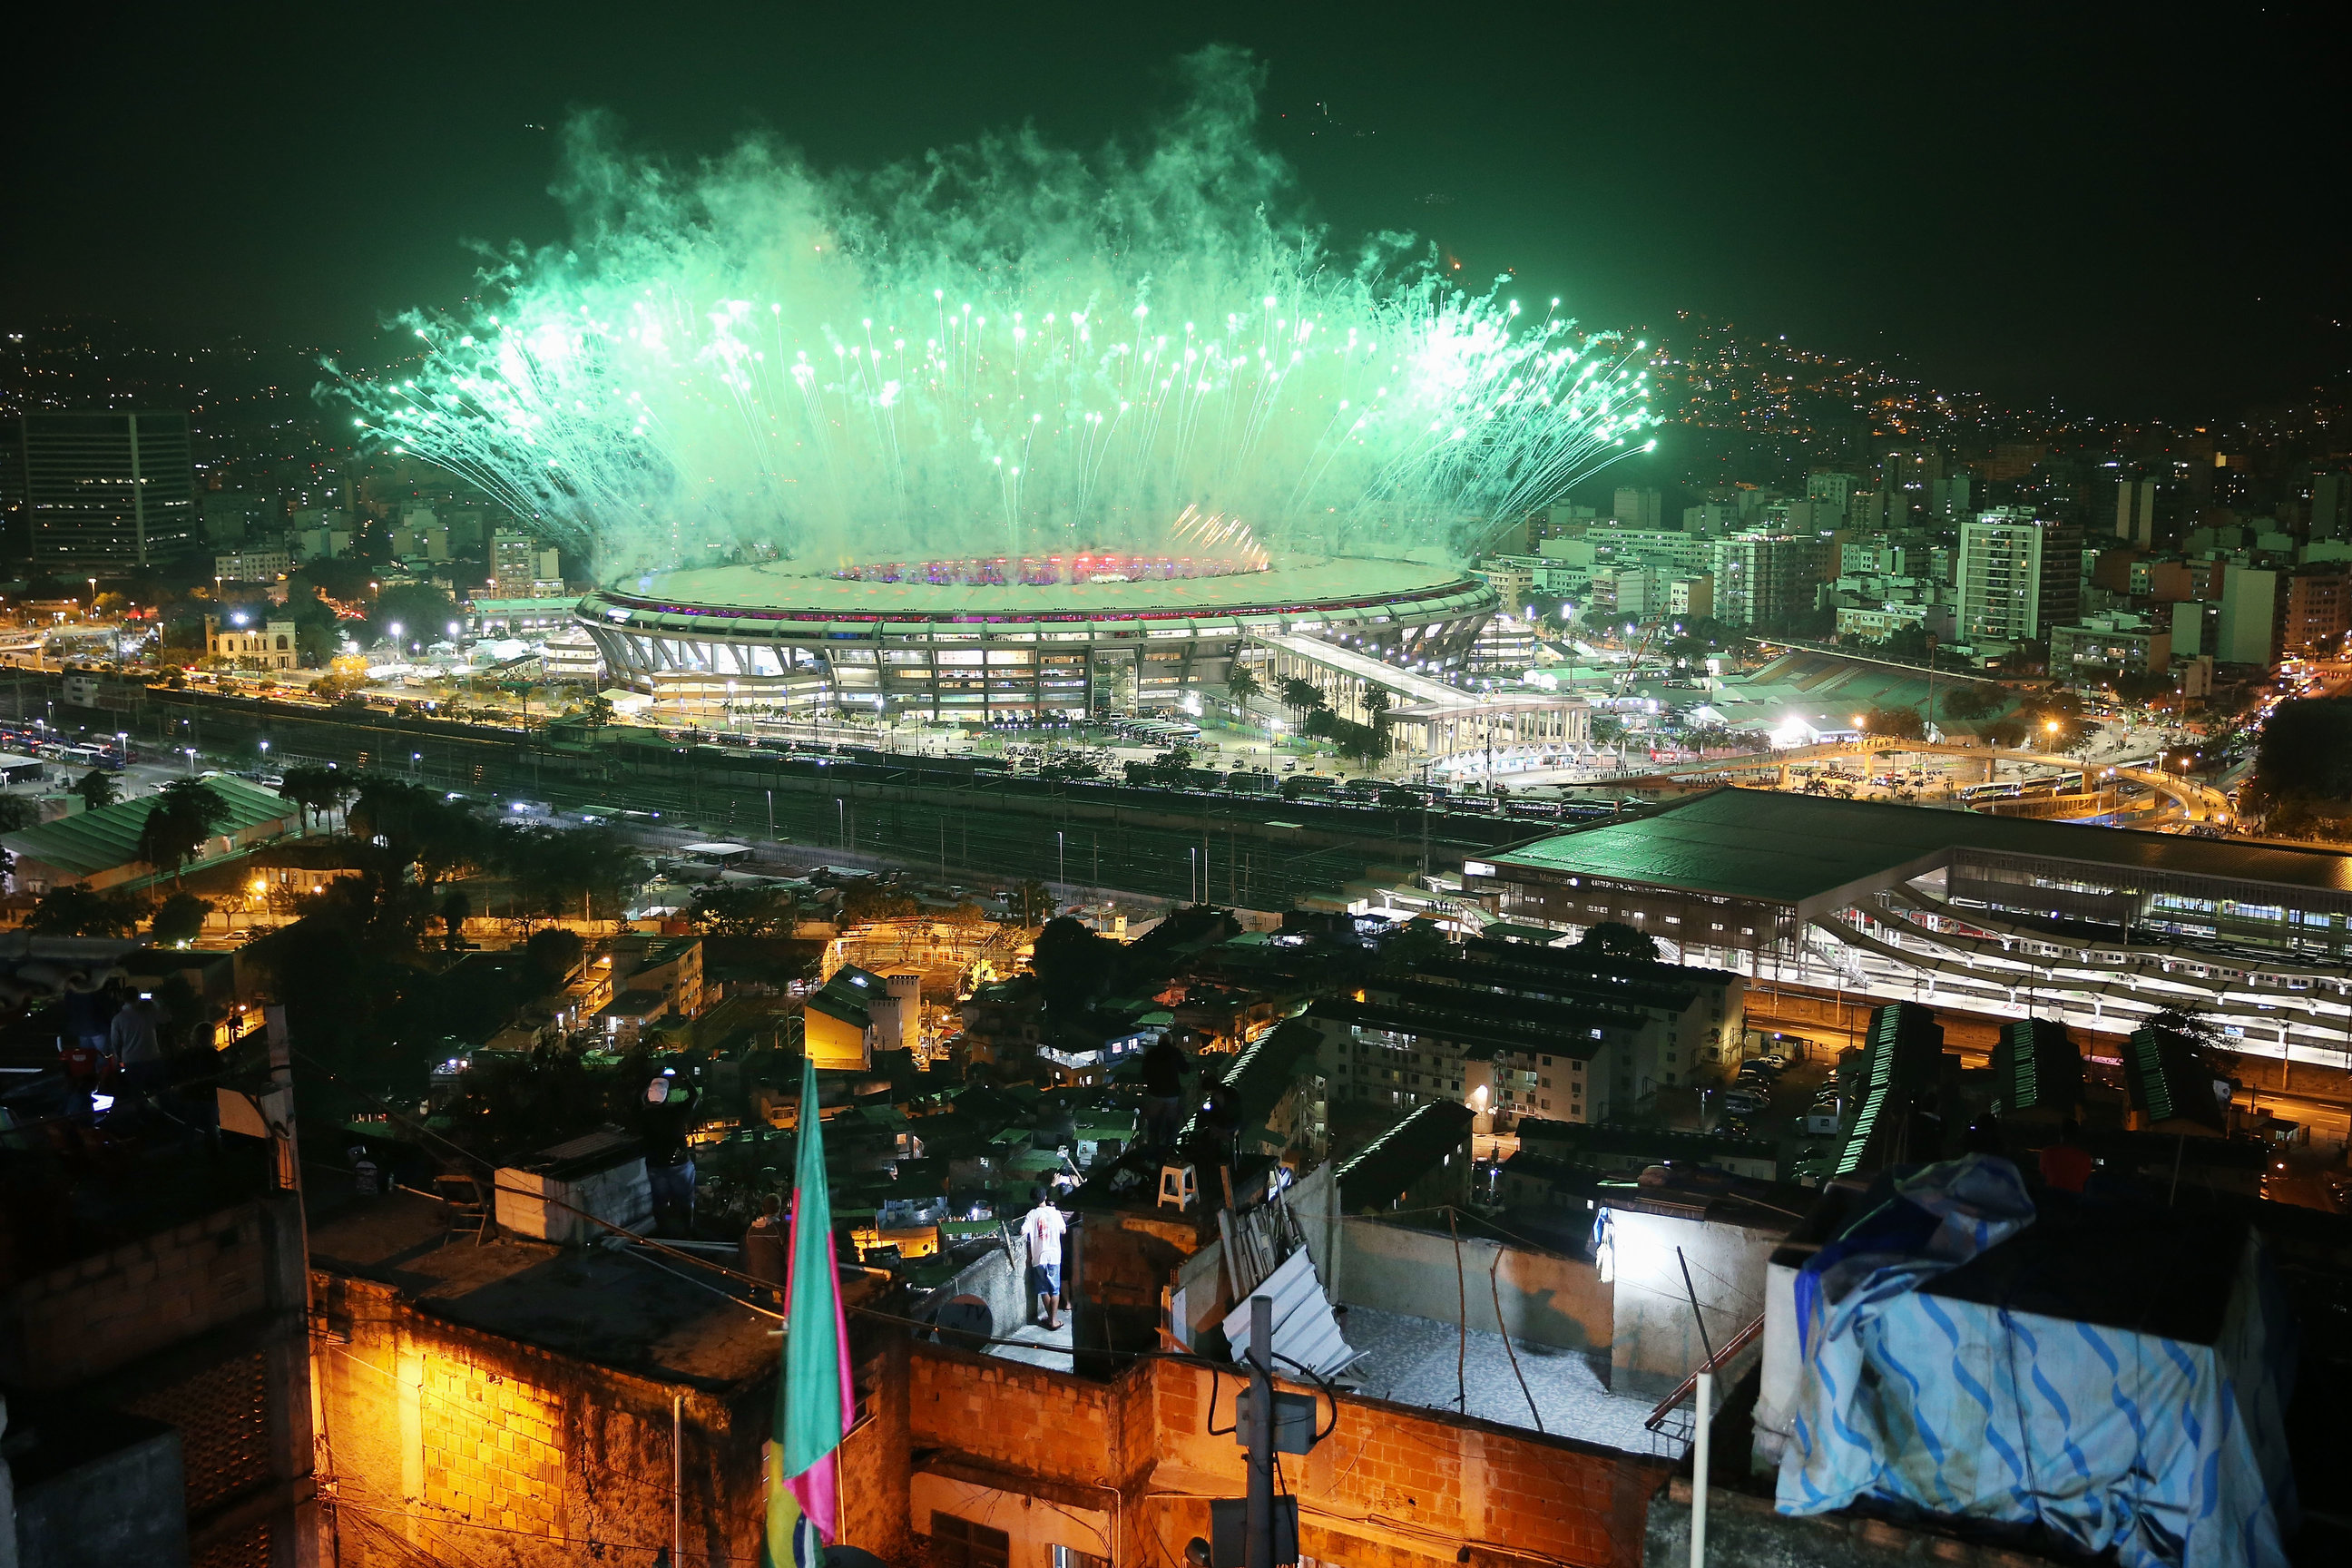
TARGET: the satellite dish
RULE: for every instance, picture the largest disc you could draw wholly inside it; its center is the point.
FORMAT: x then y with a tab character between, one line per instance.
965	1322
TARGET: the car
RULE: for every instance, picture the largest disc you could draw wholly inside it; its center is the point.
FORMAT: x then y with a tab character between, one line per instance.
1732	1127
1746	1101
1759	1067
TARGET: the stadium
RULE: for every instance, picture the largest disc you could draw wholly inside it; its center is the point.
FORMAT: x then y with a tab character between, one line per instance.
981	640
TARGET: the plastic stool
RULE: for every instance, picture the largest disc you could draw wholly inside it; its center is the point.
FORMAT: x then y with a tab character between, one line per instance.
1179	1188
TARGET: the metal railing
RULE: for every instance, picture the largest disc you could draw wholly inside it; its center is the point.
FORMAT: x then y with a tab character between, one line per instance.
1689	1386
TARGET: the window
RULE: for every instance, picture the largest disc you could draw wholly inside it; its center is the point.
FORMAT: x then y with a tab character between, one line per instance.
961	1544
1070	1557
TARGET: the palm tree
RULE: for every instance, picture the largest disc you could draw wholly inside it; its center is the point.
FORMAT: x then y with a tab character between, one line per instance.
314	789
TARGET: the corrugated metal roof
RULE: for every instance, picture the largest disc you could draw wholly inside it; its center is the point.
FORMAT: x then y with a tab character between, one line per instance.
1762	843
95	841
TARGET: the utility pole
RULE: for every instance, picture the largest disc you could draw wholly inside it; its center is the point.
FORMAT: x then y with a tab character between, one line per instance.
1259	1433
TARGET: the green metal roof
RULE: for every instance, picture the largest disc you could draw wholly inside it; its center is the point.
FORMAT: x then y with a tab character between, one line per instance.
1779	848
94	841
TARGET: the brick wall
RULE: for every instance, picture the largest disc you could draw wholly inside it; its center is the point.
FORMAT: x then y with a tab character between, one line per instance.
1389	1488
491	1454
447	1444
85	1319
1018	1416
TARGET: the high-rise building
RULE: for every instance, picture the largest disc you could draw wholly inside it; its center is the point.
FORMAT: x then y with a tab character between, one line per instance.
2331	506
2318	610
1641	508
107	492
522	568
2019	574
1947	498
1765	579
2253	615
2136	510
1832	486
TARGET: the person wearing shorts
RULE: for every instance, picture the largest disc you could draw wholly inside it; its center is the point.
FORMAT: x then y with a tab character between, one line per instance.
1041	1238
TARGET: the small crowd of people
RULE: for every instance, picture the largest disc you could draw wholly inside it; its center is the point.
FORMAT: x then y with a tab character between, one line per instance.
113	1045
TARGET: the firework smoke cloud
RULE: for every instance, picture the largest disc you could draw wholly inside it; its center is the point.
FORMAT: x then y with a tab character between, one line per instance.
1004	349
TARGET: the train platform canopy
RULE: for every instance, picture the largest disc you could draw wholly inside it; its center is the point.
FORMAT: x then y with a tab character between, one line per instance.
1796	849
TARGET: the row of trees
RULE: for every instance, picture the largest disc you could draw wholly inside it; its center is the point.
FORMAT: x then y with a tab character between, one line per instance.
78	911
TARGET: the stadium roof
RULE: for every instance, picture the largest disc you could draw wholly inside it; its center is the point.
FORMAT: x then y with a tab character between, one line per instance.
1788	849
783	586
94	841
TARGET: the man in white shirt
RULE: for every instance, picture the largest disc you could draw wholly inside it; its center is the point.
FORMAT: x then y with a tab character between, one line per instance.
1041	1234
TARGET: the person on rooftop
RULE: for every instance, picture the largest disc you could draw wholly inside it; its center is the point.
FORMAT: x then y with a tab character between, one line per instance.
664	1121
1041	1238
1165	1066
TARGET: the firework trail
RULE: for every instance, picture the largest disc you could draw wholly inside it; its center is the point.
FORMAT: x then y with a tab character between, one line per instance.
1005	349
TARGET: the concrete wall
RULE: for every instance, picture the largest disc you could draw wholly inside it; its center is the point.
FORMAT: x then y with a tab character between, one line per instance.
993	1279
90	1317
1654	1343
201	1328
1545	1299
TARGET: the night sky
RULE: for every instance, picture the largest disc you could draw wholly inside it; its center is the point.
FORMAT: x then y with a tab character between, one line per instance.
2139	212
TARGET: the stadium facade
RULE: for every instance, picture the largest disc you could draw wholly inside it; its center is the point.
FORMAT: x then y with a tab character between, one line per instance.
975	640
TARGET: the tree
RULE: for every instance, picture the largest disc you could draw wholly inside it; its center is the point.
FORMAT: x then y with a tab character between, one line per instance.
456	908
185	813
1363	743
419	827
566	871
1032	902
555	953
1972	701
1608	730
1376	702
1615	939
871	902
741	910
96	788
179	920
1241	682
1903	724
1301	696
76	911
2304	759
1072	964
421	610
14	814
315	789
2206	1041
2007	734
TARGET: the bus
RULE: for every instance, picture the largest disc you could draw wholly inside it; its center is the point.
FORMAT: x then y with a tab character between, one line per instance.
2011	790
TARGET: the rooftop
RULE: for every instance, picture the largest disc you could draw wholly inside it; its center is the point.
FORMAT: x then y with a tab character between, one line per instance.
780	586
93	841
593	1303
1786	848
